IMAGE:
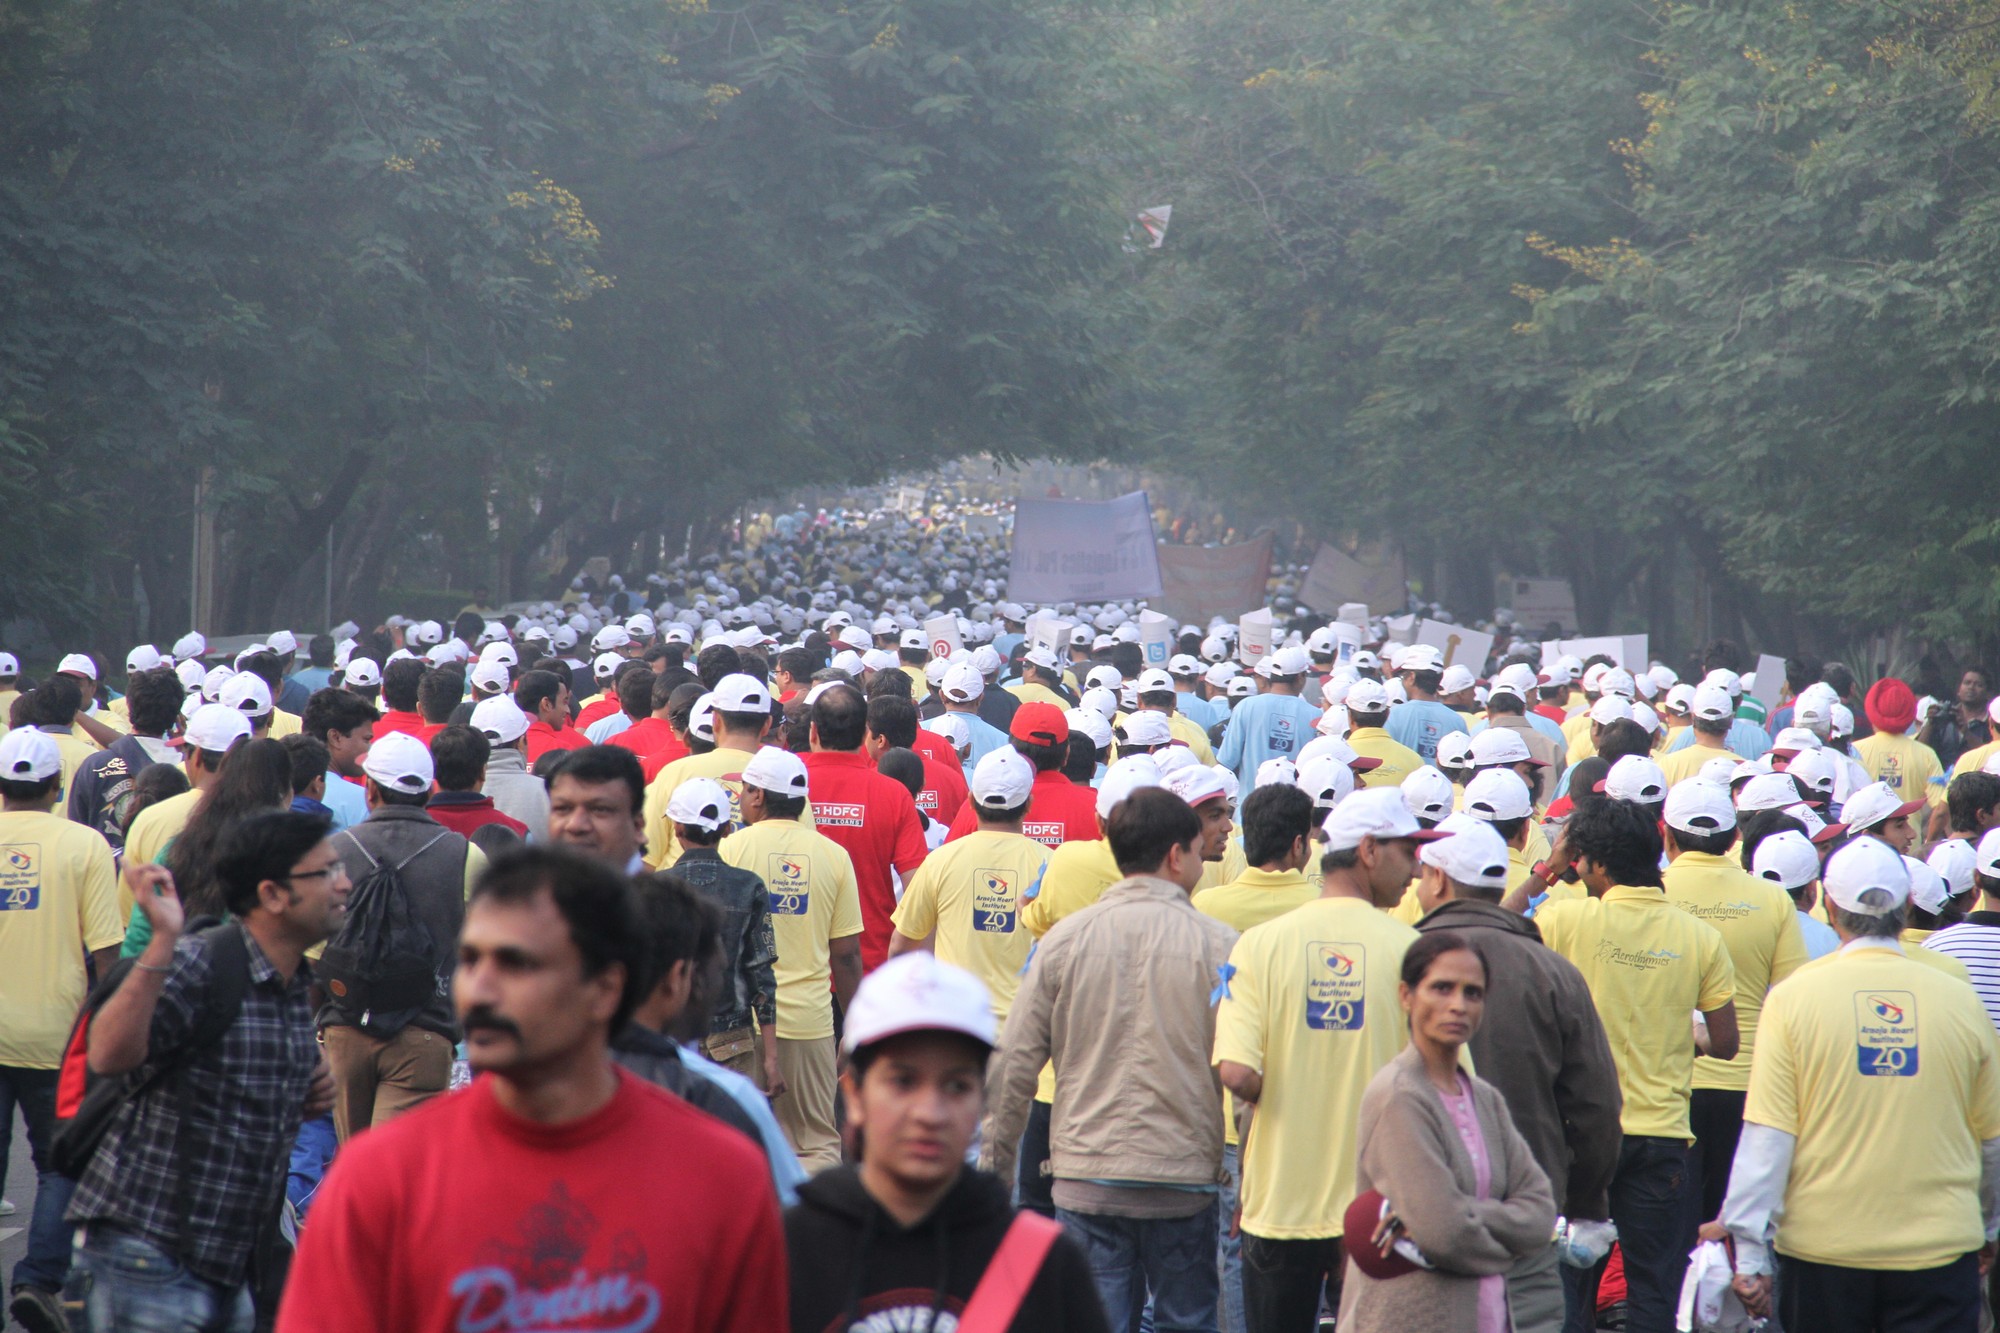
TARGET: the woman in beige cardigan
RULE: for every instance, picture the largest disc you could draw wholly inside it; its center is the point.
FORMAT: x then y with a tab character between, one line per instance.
1441	1149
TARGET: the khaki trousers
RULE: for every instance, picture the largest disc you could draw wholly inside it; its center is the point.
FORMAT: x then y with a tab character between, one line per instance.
376	1079
805	1111
737	1050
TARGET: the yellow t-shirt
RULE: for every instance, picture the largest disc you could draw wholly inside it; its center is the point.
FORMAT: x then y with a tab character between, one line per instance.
73	752
1759	923
1649	965
814	901
1398	760
58	901
920	686
970	892
156	826
1250	899
1687	761
1189	733
1215	874
1029	692
1888	1075
722	764
1909	766
283	724
1970	762
1312	1007
1577	732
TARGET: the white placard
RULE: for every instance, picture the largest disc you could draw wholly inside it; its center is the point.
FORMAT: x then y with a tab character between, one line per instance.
942	633
1400	628
1045	630
1253	637
1770	681
1635	657
1083	550
1156	637
1346	641
1461	646
1354	613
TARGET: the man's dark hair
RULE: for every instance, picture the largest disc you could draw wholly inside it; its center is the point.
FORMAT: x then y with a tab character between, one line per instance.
401	680
1717	843
1129	658
716	661
320	649
1508	829
1969	796
536	688
595	901
915	657
894	719
681	701
1799	673
797	735
904	765
681	926
259	847
55	702
266	666
634	682
841	716
1724	653
335	710
1079	758
1049	758
1839	677
459	756
1757	825
469	625
309	760
20	789
666	683
153	700
554	666
1506	701
1427	681
1146	825
1359	718
892	684
796	663
1273	818
439	694
593	765
1706	726
1621	738
1621	836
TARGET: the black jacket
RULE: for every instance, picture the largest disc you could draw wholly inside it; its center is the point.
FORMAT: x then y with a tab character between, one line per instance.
654	1057
853	1266
749	945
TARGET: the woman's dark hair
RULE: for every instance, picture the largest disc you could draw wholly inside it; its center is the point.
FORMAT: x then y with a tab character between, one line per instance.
905	766
1146	825
1758	825
1621	836
1430	946
597	903
1273	818
1620	738
256	779
1583	780
258	847
155	783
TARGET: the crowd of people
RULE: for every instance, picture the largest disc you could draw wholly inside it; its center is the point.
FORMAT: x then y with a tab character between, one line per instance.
806	937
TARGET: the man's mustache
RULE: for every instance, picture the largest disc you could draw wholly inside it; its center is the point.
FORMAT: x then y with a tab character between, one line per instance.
485	1016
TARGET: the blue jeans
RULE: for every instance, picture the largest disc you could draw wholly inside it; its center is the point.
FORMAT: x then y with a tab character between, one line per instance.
129	1285
1172	1259
1228	1248
1648	1196
34	1090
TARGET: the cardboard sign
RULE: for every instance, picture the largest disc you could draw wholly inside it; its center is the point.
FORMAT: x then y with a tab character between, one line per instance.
1770	681
1636	656
1624	649
1083	550
1254	637
1156	637
1354	613
1460	645
1540	603
942	632
1375	578
1199	582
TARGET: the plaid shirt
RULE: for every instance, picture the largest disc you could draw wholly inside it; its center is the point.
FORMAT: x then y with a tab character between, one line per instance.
245	1095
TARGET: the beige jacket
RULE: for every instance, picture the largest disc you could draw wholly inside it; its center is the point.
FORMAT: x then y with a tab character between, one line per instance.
1117	996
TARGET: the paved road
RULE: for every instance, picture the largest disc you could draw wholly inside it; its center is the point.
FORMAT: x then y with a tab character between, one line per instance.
20	1187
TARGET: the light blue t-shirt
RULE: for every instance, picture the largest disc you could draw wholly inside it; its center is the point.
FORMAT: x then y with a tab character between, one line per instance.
1265	726
348	802
1200	711
986	738
605	728
1421	723
1819	937
786	1172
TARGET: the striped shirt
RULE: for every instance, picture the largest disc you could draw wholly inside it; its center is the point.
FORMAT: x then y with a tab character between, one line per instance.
1975	942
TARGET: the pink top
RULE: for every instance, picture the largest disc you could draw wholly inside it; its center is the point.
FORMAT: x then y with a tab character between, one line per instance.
1492	1290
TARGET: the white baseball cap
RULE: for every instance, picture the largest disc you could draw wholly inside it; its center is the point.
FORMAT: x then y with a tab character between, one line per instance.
29	754
1474	855
962	683
1041	656
1367	696
1184	664
1711	703
400	762
1498	793
741	693
76	664
1147	728
191	644
1841	720
1700	808
489	677
1987	854
248	694
502	652
143	658
1291	660
1092	724
1103	676
605	665
1454	750
1611	708
1928	890
1500	745
1377	812
914	992
1721	771
611	636
1326	779
1788	859
1794	740
1154	681
499	719
361	673
775	770
1816	770
1727	679
1457	677
284	641
1634	778
1766	791
1002	780
1644	715
1956	860
1420	657
1275	772
1428	793
1867	876
214	727
1874	804
1194	781
191	676
1123	778
701	803
1617	680
10	665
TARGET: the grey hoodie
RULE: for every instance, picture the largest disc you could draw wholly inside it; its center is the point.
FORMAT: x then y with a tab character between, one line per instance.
516	792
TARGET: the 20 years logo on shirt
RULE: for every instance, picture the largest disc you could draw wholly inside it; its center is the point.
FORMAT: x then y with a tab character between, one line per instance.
788	879
1337	986
1885	1033
20	877
993	900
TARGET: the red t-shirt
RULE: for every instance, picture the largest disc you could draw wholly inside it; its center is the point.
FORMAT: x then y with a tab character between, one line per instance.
1553	712
603	708
1059	811
395	719
646	737
944	791
460	1215
463	816
542	738
874	819
937	749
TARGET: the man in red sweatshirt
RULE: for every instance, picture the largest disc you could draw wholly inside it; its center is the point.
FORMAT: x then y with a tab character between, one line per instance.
535	1198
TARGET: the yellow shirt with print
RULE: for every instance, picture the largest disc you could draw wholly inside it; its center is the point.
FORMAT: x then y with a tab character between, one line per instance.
725	766
1312	1007
1759	923
1908	766
1888	1075
815	900
1648	965
1398	760
1250	899
1030	692
58	901
969	892
283	724
1687	761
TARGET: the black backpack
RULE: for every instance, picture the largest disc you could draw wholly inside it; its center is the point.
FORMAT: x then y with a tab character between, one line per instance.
381	969
87	1103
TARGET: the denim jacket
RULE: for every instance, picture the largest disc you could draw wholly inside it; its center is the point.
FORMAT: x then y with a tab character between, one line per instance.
749	947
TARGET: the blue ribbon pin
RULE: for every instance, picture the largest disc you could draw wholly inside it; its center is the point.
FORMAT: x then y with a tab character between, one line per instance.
1223	972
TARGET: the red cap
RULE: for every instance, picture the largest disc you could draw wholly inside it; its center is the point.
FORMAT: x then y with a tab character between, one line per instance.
1363	1216
1039	724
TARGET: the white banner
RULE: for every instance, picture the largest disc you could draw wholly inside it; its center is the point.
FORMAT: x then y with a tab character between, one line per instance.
1083	550
942	632
1461	646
